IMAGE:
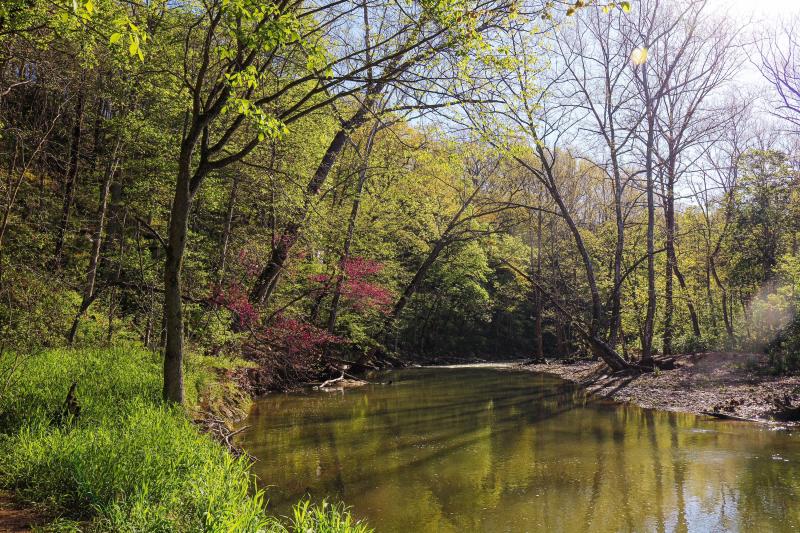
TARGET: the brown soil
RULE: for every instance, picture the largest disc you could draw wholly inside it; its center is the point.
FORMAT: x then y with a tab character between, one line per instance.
15	518
729	385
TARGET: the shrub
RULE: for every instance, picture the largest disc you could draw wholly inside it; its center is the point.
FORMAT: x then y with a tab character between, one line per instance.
690	343
784	350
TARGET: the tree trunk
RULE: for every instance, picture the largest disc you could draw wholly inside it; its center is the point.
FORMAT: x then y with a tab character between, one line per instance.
351	227
117	275
647	349
415	282
70	178
89	292
726	318
616	302
669	305
226	230
173	310
689	304
268	279
538	294
588	266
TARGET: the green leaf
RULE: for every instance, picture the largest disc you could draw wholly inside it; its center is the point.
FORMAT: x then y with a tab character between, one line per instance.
115	37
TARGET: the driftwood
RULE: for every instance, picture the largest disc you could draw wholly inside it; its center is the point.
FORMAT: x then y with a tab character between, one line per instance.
727	416
218	429
343	379
330	382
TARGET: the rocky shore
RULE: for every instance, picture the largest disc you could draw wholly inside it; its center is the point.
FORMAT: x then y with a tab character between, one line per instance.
721	384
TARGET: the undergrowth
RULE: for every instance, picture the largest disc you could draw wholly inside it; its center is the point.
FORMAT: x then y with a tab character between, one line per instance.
127	462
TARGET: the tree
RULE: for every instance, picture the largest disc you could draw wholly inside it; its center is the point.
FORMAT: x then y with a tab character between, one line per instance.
779	64
237	102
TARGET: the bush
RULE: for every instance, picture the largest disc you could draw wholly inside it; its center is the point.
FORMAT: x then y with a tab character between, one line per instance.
128	463
690	344
784	350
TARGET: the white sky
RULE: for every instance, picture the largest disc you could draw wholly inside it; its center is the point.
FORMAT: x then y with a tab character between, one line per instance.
759	9
758	15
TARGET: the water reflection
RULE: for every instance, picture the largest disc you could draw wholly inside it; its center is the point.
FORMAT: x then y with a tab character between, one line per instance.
486	450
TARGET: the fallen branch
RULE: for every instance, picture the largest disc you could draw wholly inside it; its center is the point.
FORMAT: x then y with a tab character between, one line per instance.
726	416
597	345
218	429
328	383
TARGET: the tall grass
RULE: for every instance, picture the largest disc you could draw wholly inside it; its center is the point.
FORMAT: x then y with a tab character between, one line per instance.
129	463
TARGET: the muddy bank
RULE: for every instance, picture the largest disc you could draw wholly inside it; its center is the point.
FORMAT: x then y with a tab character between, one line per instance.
723	384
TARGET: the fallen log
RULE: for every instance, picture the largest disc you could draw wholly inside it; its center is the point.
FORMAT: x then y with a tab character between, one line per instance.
728	416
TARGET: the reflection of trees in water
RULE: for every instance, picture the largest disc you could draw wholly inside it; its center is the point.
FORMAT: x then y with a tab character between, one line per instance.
768	490
470	449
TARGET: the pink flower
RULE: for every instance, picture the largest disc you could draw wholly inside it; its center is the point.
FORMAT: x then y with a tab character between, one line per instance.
359	291
234	298
298	337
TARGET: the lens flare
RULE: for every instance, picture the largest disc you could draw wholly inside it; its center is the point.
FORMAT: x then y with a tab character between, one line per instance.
639	55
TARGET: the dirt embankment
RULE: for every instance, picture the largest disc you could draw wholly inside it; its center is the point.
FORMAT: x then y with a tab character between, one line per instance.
18	518
728	385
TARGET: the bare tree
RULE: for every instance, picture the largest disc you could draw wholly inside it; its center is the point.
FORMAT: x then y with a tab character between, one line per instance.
779	62
535	134
660	35
687	124
597	81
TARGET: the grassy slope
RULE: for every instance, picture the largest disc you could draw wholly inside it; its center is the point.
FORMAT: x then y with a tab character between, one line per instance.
128	463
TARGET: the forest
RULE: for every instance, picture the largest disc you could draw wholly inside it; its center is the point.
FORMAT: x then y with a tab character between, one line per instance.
208	201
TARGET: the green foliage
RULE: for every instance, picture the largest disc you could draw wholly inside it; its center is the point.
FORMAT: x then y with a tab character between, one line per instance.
324	518
128	463
688	343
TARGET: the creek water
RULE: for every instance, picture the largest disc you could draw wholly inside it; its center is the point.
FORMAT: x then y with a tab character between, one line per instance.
478	449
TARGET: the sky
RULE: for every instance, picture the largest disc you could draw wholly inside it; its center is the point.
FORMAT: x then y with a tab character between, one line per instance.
762	14
760	9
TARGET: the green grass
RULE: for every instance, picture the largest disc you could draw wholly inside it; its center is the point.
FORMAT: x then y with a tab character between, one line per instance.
129	463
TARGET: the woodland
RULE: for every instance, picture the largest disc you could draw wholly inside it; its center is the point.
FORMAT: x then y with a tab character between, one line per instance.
207	200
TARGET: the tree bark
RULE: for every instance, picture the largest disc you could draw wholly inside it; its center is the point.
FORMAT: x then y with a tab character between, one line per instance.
268	278
173	310
89	292
351	227
724	303
647	349
70	178
689	304
538	294
226	230
669	305
616	303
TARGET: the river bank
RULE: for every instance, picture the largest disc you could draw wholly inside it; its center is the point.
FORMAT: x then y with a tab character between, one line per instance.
113	457
722	384
491	448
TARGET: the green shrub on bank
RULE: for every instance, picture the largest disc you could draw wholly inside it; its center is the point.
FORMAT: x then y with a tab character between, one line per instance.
784	350
323	518
128	463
